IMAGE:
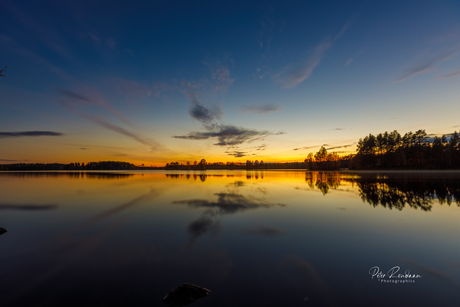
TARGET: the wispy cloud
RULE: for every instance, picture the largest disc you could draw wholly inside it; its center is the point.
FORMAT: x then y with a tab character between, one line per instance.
237	154
29	133
74	100
46	34
326	145
221	77
261	147
349	61
292	75
82	148
119	155
94	37
342	146
260	109
451	75
345	28
111	43
6	160
13	46
337	129
306	147
269	23
158	88
117	129
75	96
425	66
220	74
131	89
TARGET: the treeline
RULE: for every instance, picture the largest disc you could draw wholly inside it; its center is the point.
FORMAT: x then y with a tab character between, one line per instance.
249	165
101	165
411	151
202	165
261	165
323	160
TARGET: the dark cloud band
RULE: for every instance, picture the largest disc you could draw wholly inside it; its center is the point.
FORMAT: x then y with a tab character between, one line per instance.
28	133
227	135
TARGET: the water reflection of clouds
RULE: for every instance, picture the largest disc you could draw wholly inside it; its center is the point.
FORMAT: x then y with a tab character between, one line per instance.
98	218
226	203
229	203
262	231
73	249
204	224
208	264
316	290
424	270
237	184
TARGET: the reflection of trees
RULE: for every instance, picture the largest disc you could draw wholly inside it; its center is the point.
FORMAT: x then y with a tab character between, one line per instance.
416	192
202	177
71	175
390	196
323	181
394	191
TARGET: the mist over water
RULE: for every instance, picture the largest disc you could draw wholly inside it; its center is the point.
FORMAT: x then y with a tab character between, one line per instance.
254	238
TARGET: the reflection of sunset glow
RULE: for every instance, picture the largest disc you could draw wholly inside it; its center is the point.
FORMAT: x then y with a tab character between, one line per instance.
222	226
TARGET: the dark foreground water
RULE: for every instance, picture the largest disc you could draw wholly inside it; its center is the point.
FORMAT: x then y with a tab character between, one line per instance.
258	238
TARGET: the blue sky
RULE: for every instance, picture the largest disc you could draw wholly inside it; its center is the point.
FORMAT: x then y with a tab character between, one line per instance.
154	82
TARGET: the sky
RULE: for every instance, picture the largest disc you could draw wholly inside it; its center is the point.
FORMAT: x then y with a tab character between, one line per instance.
150	82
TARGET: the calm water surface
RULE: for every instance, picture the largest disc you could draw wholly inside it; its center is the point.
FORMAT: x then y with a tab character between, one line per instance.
258	238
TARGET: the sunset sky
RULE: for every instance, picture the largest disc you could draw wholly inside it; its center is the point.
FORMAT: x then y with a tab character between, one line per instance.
150	82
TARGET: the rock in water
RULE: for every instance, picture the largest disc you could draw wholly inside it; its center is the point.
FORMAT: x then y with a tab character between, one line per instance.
2	230
184	295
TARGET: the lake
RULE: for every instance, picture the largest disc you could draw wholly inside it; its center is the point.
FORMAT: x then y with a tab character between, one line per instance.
254	238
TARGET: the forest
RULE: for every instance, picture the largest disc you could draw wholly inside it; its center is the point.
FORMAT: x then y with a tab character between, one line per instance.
101	165
249	165
411	151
